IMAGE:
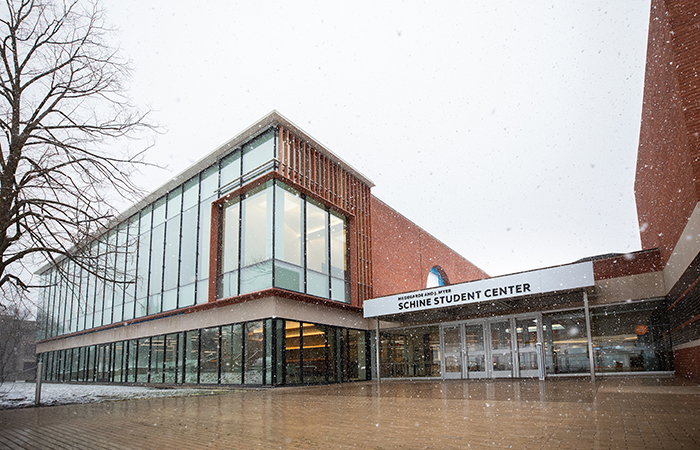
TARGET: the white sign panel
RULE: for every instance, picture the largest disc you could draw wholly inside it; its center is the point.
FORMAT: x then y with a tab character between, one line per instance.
562	278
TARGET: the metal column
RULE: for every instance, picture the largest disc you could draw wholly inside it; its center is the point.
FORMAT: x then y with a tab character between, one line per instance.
591	361
377	345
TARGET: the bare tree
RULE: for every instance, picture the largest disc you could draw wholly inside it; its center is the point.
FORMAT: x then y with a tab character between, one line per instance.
16	339
62	101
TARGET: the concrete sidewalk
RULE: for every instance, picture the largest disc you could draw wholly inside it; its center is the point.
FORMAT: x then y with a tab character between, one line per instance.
615	412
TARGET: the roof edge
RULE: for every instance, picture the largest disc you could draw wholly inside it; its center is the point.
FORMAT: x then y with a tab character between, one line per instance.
271	119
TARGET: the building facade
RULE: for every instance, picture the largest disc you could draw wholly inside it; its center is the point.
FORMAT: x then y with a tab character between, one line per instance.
263	263
270	263
249	268
667	185
601	316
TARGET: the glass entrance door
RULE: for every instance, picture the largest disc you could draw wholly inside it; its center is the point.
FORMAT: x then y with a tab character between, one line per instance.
452	350
501	347
501	338
476	351
527	337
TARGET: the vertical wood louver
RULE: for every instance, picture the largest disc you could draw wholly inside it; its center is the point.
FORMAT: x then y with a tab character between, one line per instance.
311	169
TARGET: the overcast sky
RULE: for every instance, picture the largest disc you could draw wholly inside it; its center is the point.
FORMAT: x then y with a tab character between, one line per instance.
508	130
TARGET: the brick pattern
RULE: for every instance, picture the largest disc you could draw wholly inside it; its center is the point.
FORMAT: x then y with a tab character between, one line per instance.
630	264
683	313
621	413
403	254
667	181
684	18
687	362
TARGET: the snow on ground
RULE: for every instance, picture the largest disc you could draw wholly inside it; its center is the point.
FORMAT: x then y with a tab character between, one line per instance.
20	395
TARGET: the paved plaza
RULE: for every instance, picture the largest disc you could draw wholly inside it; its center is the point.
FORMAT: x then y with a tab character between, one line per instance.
614	412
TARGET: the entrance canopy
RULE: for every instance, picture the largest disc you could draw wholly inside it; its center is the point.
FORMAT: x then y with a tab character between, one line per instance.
526	284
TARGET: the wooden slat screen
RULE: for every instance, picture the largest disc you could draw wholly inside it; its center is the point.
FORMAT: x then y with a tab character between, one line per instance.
304	166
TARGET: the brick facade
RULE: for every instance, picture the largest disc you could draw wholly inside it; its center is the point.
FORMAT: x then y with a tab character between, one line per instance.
667	185
403	254
667	181
687	362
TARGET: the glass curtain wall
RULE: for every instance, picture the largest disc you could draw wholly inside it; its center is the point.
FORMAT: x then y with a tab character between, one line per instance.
232	354
155	290
162	252
289	245
310	245
566	345
256	239
269	352
171	261
209	356
412	352
631	338
188	243
626	338
131	259
322	354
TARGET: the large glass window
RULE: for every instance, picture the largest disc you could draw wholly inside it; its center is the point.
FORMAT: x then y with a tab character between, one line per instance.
99	292
314	361
171	260
355	355
144	260
209	356
192	357
120	264
251	353
132	363
631	338
170	373
228	284
334	354
413	352
144	363
117	350
231	168
310	245
316	249
75	364
130	271
157	358
292	349
188	252
190	193
156	281
257	153
566	347
340	289
231	354
254	354
256	239
159	211
289	245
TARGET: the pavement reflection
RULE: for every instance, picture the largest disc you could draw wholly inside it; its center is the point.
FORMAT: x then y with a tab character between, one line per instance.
614	412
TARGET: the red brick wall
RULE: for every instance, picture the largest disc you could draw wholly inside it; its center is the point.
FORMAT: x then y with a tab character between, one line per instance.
403	254
667	185
687	362
629	264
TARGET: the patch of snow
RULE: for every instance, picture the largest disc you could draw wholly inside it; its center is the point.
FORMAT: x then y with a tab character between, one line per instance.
20	395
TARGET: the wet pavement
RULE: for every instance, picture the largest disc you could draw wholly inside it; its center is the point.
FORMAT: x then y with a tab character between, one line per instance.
615	412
